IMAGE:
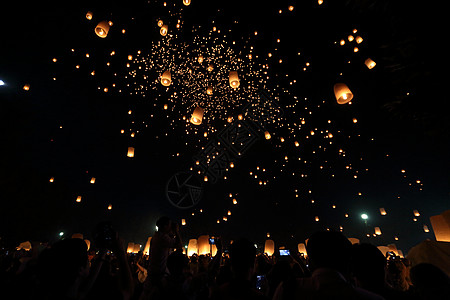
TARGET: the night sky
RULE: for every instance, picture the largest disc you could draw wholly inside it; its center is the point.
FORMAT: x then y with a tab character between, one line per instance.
68	128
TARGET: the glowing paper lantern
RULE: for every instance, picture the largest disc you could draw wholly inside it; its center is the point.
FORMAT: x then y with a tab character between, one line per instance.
353	241
183	222
416	213
359	39
234	79
213	250
186	2
77	236
160	23
342	93
425	228
25	246
88	244
92	180
130	152
89	15
78	199
200	59
26	87
203	245
302	249
382	211
166	78
377	231
441	226
192	247
136	248
267	135
164	30
147	246
130	247
197	116
52	179
209	90
269	247
370	63
102	29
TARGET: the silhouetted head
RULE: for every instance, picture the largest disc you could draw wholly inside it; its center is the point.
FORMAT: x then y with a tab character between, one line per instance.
242	256
328	249
60	265
176	262
164	224
367	266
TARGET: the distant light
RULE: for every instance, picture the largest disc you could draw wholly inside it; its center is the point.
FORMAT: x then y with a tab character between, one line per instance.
364	216
61	233
2	82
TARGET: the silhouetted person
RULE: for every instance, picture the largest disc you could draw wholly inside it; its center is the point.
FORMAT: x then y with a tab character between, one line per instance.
397	275
430	282
368	271
165	239
329	257
242	256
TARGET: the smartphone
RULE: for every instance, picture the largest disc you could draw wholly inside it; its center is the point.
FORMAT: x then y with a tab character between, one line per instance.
284	252
259	281
211	241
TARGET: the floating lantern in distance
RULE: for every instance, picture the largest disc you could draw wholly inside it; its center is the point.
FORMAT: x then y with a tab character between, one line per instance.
377	231
200	58
342	42
102	29
234	201
205	178
92	180
269	247
130	152
425	228
89	15
355	120
342	93
382	211
210	68
160	23
130	57
320	2
78	199
197	116
26	87
267	135
203	245
186	2
416	213
164	29
209	90
317	219
109	206
234	79
166	78
183	222
353	241
230	119
370	63
296	144
302	249
359	39
192	247
240	117
130	247
350	38
52	179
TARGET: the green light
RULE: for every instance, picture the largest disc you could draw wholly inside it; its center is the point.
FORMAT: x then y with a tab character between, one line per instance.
364	216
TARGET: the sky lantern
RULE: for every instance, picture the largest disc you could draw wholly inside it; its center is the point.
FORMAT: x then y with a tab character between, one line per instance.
88	244
183	222
160	23
102	28
147	246
416	213
136	248
166	78
186	2
89	15
130	247
377	231
302	249
197	116
92	180
109	206
359	39
203	245
78	199
192	247
130	152
425	228
200	59
26	87
164	30
370	64
269	247
441	226
267	135
209	90
52	179
382	211
342	93
234	79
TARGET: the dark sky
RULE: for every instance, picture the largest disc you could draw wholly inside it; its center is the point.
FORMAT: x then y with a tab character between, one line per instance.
399	104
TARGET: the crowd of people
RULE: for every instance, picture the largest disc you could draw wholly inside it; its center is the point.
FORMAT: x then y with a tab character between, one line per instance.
332	269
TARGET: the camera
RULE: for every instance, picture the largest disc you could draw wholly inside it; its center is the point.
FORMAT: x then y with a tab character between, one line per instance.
284	252
212	241
259	281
